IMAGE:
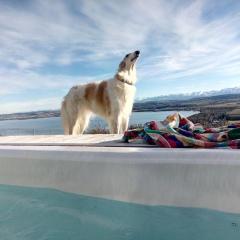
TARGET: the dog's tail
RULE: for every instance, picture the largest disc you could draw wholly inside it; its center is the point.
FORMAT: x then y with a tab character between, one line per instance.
65	118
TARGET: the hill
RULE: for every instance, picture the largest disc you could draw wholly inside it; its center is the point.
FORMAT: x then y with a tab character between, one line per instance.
214	110
188	96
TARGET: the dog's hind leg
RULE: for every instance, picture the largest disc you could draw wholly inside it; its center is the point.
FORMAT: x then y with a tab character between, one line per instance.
115	126
65	119
81	124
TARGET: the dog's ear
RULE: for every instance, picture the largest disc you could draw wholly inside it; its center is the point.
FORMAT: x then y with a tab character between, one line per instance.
122	65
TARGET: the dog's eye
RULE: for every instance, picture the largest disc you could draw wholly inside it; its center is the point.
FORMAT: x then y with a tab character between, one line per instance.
126	55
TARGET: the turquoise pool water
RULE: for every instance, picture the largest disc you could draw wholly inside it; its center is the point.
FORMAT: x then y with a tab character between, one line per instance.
34	214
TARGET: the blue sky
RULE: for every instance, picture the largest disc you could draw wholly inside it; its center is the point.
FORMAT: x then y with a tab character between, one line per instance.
48	46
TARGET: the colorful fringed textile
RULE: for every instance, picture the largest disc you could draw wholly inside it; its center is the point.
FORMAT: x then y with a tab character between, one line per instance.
177	131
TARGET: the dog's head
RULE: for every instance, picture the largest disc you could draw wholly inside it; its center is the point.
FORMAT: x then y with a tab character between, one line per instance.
128	61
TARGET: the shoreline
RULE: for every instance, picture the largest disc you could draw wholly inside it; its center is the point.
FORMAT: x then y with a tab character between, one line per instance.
213	111
208	117
28	116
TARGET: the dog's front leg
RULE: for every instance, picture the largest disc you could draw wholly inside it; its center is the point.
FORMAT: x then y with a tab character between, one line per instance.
124	125
115	126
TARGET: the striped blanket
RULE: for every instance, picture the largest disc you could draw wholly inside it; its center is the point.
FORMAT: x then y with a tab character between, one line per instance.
177	131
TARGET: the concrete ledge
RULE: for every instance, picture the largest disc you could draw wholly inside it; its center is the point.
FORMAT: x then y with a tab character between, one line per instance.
61	140
171	177
101	140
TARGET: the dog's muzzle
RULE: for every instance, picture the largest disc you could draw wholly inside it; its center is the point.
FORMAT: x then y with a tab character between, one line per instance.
137	53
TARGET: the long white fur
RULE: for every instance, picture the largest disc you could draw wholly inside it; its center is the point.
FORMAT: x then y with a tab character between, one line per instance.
76	109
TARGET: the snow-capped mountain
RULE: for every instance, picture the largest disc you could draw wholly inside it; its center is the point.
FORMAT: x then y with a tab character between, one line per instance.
225	91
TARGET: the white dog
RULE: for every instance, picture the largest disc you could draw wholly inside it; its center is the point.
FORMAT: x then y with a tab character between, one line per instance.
111	99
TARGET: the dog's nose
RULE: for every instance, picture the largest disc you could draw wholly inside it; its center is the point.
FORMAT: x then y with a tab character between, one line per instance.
137	52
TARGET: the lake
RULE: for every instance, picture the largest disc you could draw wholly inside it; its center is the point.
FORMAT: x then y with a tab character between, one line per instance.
52	126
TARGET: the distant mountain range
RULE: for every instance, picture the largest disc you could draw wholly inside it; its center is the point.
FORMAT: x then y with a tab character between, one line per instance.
187	96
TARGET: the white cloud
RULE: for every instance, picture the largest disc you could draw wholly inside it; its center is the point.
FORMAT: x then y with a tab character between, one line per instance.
26	106
178	40
17	81
199	45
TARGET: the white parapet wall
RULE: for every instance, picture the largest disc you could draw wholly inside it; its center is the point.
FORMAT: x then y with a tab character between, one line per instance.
170	177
